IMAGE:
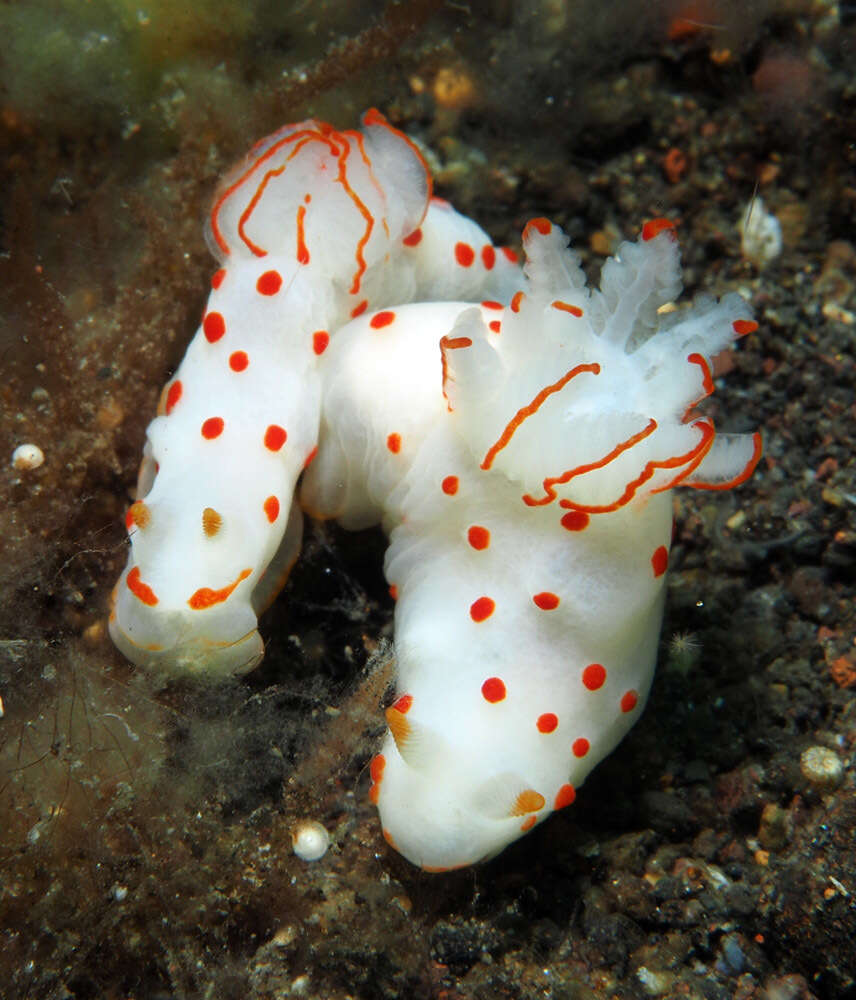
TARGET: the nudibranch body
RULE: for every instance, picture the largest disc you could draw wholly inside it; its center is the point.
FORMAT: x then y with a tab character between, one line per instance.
522	459
314	227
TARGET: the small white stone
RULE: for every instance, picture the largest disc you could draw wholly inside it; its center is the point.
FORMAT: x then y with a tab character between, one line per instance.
27	456
310	840
822	768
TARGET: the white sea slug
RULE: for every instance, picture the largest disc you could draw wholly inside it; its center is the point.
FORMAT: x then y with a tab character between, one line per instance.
522	459
314	227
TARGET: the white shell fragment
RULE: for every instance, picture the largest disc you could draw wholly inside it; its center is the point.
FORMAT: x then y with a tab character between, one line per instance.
760	234
27	456
310	840
822	768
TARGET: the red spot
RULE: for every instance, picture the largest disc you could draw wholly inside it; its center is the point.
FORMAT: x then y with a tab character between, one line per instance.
478	536
629	701
310	456
488	256
593	676
217	278
575	520
376	768
493	690
546	601
564	797
275	437
374	794
675	164
464	254
491	305
381	319
660	560
173	396
528	823
581	747
413	239
271	506
320	340
482	608
547	722
743	326
359	308
450	485
269	283
541	224
403	703
393	442
212	428
393	591
495	325
238	361
140	590
213	326
510	254
515	301
654	227
129	518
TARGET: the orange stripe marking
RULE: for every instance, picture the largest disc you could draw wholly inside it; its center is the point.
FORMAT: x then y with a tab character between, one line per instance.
302	138
302	249
205	597
527	411
742	476
143	592
448	343
245	176
567	307
630	489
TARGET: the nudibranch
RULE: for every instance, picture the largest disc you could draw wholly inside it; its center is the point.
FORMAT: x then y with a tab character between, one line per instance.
522	458
313	228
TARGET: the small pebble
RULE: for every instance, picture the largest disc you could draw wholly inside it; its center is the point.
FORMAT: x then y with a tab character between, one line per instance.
310	840
27	456
654	983
822	768
774	829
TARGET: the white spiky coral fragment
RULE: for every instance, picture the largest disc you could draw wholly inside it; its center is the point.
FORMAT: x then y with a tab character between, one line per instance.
521	458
